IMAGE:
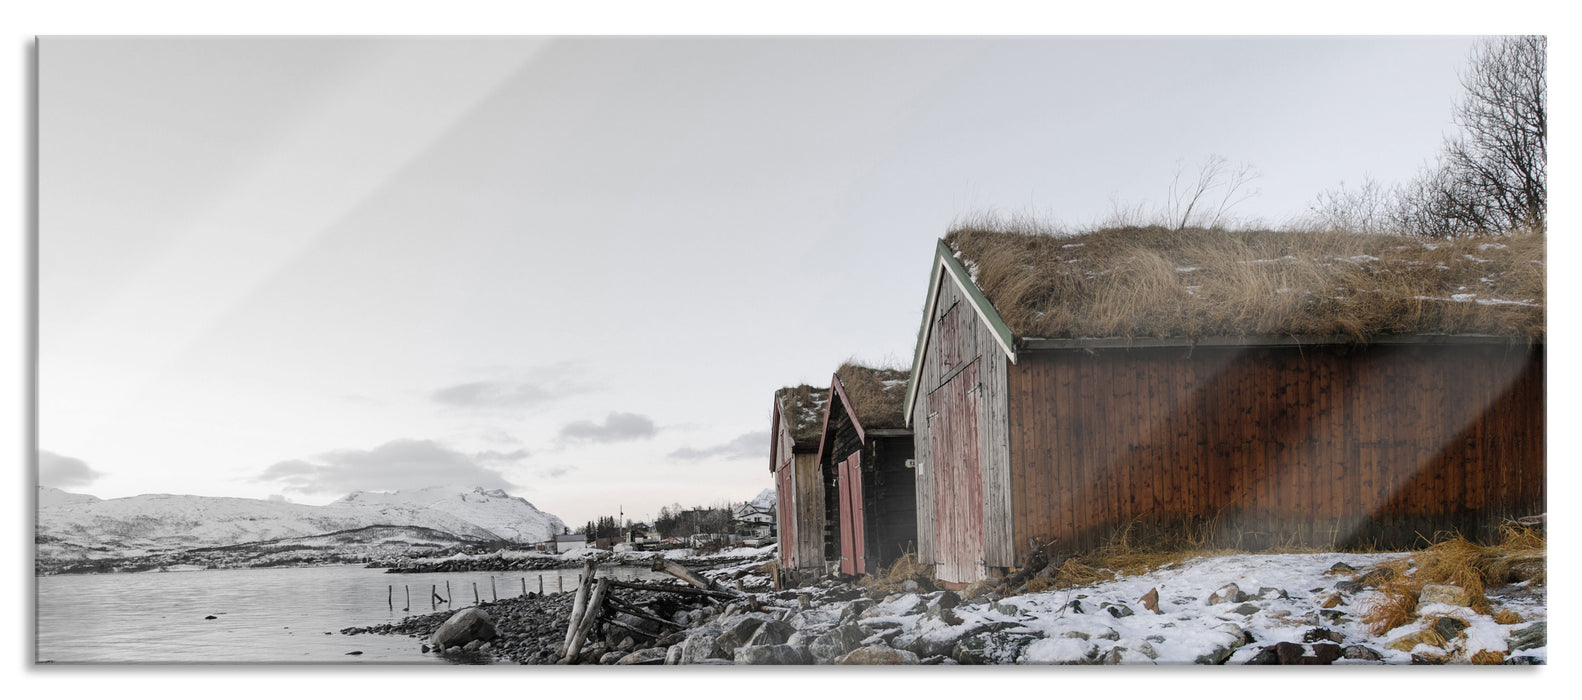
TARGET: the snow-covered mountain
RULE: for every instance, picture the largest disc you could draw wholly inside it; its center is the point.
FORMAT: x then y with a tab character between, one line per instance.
159	522
764	499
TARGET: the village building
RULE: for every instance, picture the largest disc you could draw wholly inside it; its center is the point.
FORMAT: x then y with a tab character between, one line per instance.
753	521
865	454
799	485
1242	389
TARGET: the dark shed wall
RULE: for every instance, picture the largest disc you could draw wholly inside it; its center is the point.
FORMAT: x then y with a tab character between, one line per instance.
973	340
1325	446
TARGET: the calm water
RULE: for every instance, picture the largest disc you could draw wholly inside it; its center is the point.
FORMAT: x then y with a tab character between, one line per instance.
262	615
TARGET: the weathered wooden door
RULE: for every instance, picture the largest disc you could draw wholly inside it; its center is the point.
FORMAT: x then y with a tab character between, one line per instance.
852	536
958	485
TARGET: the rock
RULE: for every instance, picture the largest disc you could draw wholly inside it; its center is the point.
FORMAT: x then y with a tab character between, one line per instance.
1325	653
1341	569
472	645
610	658
852	609
1110	634
700	645
738	631
771	633
909	586
1522	661
994	648
1454	596
354	653
1289	653
950	617
1074	606
1119	610
948	600
1150	600
1333	600
1321	634
1529	637
1271	593
465	626
673	655
1076	634
877	655
1008	609
1410	641
1357	652
1449	628
836	643
1228	593
773	654
1247	609
645	657
1267	656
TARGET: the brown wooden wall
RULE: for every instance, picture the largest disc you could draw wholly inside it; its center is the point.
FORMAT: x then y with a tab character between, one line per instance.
799	499
970	340
1326	446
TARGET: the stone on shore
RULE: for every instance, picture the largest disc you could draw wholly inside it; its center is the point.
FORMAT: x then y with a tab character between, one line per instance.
877	655
470	624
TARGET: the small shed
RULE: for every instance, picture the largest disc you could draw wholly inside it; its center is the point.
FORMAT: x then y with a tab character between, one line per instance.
799	486
1240	389
865	455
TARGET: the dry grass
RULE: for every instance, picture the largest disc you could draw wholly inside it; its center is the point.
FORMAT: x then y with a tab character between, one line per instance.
803	407
1488	658
902	570
1453	560
877	394
1156	282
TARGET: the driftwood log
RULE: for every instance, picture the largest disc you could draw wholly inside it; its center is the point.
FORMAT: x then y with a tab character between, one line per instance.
697	580
590	617
1036	561
678	590
579	604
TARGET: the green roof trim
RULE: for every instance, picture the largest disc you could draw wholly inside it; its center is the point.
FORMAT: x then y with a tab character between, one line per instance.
945	259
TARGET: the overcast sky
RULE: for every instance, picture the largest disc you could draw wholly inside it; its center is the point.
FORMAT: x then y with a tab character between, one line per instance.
577	269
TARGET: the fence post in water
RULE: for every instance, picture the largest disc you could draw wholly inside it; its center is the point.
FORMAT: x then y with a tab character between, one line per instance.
475	600
448	599
433	593
390	596
408	598
524	585
541	584
492	592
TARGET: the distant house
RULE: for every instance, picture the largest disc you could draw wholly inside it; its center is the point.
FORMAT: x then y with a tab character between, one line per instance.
863	454
799	484
1250	388
563	543
753	521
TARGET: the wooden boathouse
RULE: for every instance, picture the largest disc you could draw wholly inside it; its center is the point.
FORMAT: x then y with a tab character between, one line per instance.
1237	389
799	484
864	454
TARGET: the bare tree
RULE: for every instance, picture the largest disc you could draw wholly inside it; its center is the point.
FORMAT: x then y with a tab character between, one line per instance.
1363	209
1216	174
1493	175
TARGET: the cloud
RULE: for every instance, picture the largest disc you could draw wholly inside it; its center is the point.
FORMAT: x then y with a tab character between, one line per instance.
398	464
497	456
555	472
277	498
747	446
617	427
541	385
62	472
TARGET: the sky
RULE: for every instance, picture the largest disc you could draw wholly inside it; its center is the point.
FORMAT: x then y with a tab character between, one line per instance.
578	268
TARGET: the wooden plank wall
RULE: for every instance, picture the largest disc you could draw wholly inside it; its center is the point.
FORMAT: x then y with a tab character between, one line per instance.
891	494
1256	447
975	341
809	509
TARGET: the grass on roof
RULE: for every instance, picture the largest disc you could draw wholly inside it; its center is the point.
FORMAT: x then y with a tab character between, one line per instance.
803	408
1157	282
877	394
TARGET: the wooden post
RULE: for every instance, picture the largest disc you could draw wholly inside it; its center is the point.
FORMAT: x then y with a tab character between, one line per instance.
495	594
590	617
408	598
448	598
433	596
475	600
682	573
541	584
524	586
390	597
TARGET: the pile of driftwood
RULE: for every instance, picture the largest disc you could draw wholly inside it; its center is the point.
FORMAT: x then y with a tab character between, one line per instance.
596	601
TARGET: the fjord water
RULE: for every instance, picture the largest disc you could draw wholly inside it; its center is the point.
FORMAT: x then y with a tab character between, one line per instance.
261	615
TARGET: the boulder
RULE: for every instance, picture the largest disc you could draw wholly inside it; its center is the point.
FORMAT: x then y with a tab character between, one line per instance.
1150	600
645	657
1289	653
771	633
994	648
877	655
610	658
466	625
1333	600
700	646
1119	610
774	655
1529	637
1322	634
1270	593
673	655
1410	641
1325	653
948	600
853	608
1454	596
836	643
1449	628
1228	593
738	631
1247	609
1357	652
